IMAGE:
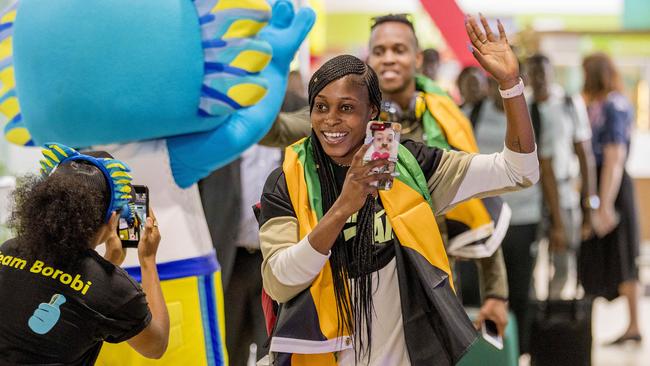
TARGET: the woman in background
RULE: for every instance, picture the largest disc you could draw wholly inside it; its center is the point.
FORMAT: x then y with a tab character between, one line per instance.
615	222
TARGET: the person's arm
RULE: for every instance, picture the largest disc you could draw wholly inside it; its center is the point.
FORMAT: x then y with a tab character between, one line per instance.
493	280
466	176
288	128
152	341
356	189
610	182
289	264
557	236
588	186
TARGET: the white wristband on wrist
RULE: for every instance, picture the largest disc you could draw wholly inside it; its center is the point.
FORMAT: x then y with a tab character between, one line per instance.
514	91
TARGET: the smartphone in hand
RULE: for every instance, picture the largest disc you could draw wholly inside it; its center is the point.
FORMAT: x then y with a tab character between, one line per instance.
130	233
384	137
491	334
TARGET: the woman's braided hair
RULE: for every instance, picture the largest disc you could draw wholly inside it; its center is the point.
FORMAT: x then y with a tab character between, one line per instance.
339	67
356	261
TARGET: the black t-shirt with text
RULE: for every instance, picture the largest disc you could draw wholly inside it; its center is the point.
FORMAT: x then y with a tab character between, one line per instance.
54	316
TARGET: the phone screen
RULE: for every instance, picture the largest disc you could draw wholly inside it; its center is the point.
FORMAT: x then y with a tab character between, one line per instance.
384	139
130	234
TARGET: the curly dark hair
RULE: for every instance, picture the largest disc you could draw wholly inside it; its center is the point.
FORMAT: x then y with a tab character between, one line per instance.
55	218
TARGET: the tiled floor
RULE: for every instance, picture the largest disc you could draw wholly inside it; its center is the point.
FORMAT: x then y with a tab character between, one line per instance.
609	322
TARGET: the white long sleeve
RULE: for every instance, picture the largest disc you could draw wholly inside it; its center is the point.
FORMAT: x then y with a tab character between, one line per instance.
498	172
297	264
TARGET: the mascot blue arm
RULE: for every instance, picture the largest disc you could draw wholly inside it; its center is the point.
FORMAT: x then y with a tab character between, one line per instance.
195	156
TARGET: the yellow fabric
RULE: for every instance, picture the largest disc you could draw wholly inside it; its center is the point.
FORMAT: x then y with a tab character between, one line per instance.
320	359
415	225
456	127
472	213
460	135
251	60
294	174
186	340
18	136
49	154
412	220
261	5
307	220
246	94
9	17
7	77
243	28
5	48
9	108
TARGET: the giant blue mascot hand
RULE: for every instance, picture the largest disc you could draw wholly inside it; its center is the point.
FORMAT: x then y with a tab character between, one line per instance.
91	72
194	156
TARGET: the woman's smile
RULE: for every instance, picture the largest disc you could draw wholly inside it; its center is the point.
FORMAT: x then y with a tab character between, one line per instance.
334	138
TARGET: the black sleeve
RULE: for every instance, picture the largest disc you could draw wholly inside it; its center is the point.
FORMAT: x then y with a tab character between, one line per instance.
428	157
129	319
275	201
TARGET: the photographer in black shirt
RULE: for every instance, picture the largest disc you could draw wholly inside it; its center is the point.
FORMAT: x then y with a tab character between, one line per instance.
60	299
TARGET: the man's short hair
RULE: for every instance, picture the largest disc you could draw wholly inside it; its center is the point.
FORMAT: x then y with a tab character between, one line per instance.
431	56
395	18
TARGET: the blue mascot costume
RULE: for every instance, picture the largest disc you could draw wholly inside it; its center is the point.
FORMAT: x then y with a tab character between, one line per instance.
176	88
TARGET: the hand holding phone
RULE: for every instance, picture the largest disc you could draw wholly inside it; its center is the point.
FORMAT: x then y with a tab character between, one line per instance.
115	251
384	139
491	334
130	233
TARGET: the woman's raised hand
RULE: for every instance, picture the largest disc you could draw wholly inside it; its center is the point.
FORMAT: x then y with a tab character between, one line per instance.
493	51
358	182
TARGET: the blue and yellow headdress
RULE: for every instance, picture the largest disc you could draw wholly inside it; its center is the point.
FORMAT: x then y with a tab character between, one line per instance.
116	173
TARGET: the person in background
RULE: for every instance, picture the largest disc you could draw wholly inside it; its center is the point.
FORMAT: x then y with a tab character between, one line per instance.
518	253
563	126
430	63
294	98
61	300
616	222
473	87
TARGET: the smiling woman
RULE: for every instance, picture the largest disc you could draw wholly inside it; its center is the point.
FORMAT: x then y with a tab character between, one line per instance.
328	235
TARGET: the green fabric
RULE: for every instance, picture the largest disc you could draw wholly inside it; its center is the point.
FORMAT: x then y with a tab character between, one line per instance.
408	167
411	174
306	158
433	133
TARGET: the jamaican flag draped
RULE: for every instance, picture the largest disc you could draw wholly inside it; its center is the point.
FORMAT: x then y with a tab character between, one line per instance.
306	332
